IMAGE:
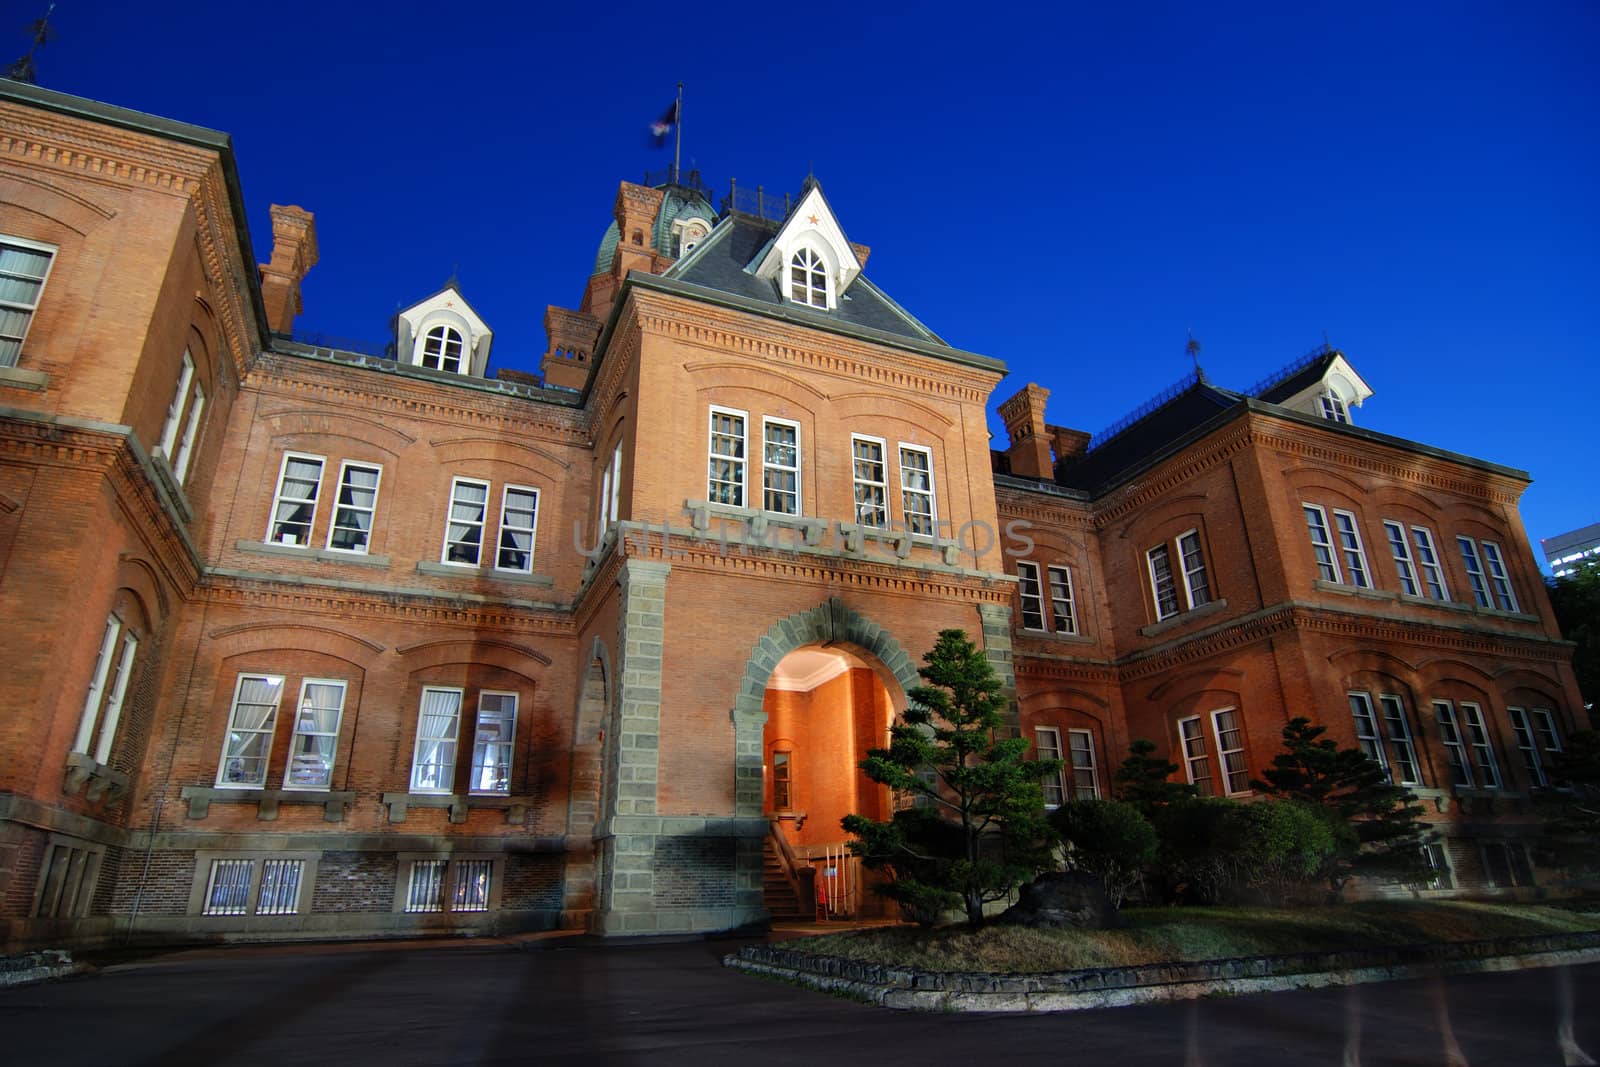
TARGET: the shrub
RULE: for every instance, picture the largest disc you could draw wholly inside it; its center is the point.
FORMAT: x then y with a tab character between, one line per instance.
1110	839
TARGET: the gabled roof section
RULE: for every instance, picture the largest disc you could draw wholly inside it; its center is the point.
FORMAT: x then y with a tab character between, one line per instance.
1179	412
1299	384
813	223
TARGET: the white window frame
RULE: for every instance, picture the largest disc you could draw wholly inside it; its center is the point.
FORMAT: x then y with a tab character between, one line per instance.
340	507
445	334
1333	408
1431	571
1397	729
1196	760
1090	766
1047	746
803	290
1028	578
1202	596
859	483
1225	755
178	452
453	740
1499	578
481	745
909	493
610	487
300	731
718	487
270	729
1348	529
1457	758
279	500
1164	551
1321	532
532	529
769	467
1477	580
1062	593
1481	743
482	524
17	306
1405	566
102	705
1537	740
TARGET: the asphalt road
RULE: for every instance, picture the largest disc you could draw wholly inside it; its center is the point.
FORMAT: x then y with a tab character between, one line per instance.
569	1001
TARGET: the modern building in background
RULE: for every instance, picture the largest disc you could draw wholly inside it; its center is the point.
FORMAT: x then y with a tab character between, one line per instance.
307	642
1566	552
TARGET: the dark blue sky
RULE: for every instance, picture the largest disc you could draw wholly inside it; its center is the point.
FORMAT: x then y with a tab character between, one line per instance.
1068	190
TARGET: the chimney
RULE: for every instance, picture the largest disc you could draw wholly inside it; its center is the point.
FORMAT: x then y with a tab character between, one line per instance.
294	253
1029	452
1069	444
572	336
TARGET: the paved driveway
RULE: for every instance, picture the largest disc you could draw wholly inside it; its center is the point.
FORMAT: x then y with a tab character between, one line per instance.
564	1000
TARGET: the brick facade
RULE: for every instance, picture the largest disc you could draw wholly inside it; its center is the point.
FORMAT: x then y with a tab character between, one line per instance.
147	523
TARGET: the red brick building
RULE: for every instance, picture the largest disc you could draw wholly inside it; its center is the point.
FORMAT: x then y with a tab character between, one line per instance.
313	642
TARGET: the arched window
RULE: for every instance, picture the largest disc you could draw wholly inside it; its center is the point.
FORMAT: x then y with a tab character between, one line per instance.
441	349
1333	407
808	279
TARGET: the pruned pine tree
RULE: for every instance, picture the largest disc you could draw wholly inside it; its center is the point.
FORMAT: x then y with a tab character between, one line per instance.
976	827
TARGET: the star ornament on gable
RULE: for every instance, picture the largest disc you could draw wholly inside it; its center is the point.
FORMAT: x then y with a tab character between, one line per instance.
811	219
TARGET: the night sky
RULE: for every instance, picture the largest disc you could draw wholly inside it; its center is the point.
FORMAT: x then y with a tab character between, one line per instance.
1071	191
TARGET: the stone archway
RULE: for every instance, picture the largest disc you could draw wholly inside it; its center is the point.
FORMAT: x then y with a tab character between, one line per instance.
592	777
829	622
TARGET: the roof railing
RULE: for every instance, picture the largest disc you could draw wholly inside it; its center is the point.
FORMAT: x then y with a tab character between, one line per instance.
684	179
1172	392
757	202
1289	370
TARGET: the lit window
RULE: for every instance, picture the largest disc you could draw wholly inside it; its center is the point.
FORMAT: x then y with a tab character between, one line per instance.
725	482
459	883
492	742
441	349
1085	785
1164	584
916	489
280	887
1428	561
1047	747
782	781
1031	595
351	530
808	279
183	416
24	265
1062	608
1537	740
1196	763
1355	558
871	487
519	518
425	888
250	725
471	891
433	765
316	735
1230	746
1405	567
294	506
108	688
228	889
780	466
1333	407
1321	543
463	535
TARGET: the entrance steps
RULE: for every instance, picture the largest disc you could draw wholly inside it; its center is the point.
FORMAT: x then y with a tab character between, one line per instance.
781	900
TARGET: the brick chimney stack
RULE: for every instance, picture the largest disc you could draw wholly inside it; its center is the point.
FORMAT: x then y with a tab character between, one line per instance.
572	336
1069	444
1029	452
294	253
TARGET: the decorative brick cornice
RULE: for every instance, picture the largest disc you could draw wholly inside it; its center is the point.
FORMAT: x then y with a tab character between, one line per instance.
1064	670
879	366
1059	512
1179	470
99	152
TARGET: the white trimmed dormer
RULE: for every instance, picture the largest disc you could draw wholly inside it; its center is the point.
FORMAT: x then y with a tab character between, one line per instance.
809	259
443	333
1332	396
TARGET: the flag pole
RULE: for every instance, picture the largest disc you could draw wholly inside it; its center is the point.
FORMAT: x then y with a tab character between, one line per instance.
677	148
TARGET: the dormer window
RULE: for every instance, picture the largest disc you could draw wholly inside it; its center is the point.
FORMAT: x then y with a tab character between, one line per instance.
689	234
808	279
1333	407
441	350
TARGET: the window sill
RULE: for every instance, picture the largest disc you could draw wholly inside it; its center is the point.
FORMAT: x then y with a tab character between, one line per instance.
169	481
201	797
758	520
1429	602
1174	621
21	378
95	780
453	570
1057	636
1344	589
321	555
516	808
1510	616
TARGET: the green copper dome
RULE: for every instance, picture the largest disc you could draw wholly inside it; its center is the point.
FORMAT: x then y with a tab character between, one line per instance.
679	203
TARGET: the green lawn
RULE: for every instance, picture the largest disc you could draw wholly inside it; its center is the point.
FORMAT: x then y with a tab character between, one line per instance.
1162	935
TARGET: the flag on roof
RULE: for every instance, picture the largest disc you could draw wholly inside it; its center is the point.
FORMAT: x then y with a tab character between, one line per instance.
663	125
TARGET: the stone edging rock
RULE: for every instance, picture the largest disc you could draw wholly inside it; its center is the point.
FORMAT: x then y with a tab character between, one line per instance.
30	967
1104	987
